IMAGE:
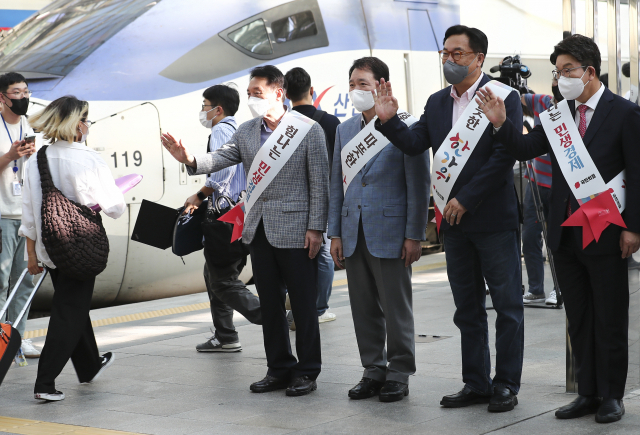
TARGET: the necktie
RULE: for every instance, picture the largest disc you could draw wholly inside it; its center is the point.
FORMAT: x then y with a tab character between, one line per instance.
582	128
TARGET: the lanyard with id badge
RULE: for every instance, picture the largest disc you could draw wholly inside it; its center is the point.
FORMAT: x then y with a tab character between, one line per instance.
17	187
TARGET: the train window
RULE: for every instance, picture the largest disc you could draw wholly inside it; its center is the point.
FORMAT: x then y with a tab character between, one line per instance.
293	27
253	37
63	34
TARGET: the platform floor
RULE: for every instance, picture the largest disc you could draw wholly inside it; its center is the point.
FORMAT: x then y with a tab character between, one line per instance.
159	384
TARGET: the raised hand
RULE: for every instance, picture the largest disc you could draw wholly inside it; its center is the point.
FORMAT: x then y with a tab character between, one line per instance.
492	106
386	104
177	150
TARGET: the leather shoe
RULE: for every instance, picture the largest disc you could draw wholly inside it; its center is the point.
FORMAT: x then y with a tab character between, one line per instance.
502	400
610	410
269	383
462	398
300	386
393	391
366	388
580	407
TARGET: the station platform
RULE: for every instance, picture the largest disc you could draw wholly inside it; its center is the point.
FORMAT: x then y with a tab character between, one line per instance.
159	384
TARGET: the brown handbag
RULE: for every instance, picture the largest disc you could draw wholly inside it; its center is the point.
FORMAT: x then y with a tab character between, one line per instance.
72	234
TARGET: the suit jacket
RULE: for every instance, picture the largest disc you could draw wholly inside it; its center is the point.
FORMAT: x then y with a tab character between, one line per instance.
390	194
612	142
485	185
297	198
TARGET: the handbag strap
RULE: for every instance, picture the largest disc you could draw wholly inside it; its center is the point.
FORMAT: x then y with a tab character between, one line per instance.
46	181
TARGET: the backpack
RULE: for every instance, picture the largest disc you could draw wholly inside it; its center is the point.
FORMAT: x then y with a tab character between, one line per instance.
72	234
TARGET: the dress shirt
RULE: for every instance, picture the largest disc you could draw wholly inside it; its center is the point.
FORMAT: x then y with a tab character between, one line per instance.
591	103
229	181
81	175
460	103
10	205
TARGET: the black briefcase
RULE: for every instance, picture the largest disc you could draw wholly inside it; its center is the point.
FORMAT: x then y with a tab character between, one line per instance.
217	236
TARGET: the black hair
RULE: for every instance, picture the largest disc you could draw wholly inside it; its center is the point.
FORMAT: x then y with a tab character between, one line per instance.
626	69
274	76
478	41
224	96
378	68
297	82
583	49
11	78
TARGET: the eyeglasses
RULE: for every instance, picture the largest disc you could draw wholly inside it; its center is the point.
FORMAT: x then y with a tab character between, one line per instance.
565	72
456	55
208	105
19	94
88	123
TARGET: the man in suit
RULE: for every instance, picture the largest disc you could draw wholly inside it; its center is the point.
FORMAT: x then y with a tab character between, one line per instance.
593	280
375	229
283	230
479	224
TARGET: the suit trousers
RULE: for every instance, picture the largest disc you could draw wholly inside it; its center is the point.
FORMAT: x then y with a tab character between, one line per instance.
595	289
276	271
228	293
382	307
70	334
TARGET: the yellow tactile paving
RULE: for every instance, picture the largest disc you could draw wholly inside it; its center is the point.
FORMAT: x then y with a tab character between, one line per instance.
187	308
34	427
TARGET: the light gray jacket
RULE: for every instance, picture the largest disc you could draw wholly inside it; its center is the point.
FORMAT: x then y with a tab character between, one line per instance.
298	197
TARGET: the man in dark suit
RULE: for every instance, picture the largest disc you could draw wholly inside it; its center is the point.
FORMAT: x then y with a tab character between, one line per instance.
480	223
594	280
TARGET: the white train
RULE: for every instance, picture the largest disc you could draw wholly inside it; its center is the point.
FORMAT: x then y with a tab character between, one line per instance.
144	64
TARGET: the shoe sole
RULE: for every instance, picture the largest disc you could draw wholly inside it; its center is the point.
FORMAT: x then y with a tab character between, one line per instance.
95	378
569	416
609	419
551	303
480	400
503	408
32	356
222	350
41	396
326	320
384	398
356	397
533	301
267	390
301	393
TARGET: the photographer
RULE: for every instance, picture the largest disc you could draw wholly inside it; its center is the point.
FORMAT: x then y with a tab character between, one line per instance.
14	152
226	291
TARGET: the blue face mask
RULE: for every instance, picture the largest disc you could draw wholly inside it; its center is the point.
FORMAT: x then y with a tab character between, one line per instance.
455	73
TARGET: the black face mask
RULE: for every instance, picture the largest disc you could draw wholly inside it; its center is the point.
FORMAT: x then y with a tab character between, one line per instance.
556	93
19	107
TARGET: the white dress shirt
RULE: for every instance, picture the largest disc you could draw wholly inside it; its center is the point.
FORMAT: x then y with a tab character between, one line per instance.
591	103
460	103
81	175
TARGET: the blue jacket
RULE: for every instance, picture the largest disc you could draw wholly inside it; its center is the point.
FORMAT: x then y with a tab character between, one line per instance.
485	185
391	194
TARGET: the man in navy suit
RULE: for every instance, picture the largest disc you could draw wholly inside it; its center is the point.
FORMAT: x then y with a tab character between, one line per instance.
479	225
375	228
594	281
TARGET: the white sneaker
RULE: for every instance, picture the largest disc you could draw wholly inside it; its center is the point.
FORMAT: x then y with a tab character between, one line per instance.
530	298
107	360
29	350
51	397
326	317
552	299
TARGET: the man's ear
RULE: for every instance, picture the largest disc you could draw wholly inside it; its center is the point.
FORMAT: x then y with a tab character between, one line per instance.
311	91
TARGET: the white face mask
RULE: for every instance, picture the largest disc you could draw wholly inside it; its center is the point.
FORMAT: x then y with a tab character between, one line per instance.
361	100
208	123
84	135
259	106
571	87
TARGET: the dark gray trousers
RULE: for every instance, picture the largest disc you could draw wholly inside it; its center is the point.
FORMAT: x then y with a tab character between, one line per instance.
228	293
382	308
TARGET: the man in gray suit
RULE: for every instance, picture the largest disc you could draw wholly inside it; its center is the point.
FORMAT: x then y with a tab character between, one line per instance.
283	229
375	229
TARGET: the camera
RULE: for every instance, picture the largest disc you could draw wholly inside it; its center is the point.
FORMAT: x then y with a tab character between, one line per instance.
513	73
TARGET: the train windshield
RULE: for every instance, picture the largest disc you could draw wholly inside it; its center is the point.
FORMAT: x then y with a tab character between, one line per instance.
64	33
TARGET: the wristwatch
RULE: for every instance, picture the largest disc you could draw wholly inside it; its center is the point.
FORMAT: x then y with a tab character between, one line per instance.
201	195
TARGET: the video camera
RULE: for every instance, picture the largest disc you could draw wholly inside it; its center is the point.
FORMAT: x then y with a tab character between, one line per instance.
513	73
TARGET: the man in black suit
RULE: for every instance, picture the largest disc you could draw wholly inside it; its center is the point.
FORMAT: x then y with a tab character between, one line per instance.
593	280
479	223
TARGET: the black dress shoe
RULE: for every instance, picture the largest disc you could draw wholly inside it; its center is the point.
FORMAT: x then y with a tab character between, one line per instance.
610	410
393	391
462	398
502	400
269	383
581	406
301	386
366	388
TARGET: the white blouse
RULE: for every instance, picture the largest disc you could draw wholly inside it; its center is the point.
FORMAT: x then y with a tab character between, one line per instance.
81	175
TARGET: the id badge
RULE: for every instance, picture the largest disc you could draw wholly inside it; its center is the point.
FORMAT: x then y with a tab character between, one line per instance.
17	188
